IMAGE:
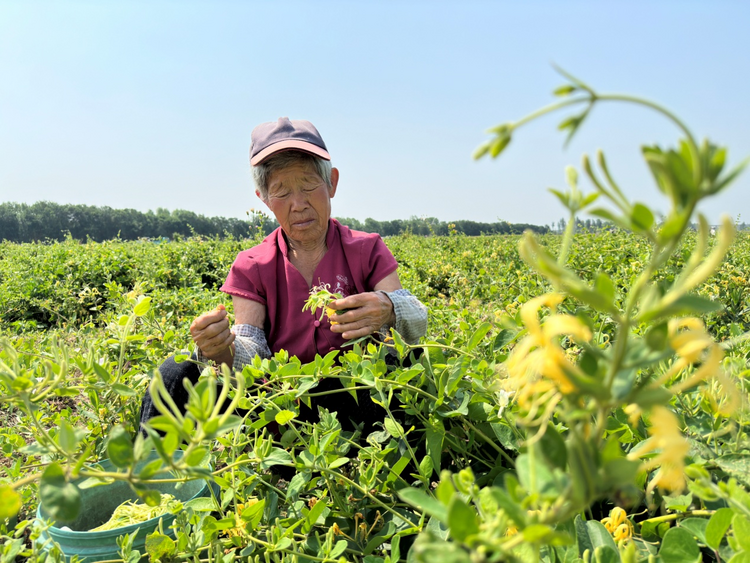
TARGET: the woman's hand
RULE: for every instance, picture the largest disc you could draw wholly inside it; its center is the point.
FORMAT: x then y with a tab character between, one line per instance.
367	313
211	334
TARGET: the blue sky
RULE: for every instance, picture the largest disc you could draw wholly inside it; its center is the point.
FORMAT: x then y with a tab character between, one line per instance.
151	104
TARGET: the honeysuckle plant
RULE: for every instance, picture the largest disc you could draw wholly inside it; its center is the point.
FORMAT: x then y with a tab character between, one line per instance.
569	378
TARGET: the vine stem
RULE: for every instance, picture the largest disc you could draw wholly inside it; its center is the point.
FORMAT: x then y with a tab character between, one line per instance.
497	448
365	493
593	97
676	515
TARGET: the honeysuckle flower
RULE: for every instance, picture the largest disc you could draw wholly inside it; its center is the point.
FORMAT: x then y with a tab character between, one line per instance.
623	532
618	525
722	394
634	412
538	363
667	439
692	344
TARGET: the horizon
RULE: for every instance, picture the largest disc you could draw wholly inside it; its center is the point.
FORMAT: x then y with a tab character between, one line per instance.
147	105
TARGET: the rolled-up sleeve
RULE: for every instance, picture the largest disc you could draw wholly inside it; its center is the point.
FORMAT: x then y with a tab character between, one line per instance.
411	315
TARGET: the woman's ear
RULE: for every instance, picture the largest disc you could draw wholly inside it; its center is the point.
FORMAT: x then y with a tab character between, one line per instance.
334	182
260	197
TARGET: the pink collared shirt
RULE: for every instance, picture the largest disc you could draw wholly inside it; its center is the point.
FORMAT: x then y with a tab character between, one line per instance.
354	263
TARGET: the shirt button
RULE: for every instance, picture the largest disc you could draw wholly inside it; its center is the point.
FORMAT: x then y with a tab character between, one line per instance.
317	323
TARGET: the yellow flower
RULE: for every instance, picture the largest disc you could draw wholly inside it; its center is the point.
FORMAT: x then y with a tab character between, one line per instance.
689	339
618	525
667	439
623	532
330	312
538	360
634	413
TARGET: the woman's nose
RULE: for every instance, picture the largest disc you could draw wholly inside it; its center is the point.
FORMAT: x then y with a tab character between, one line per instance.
299	200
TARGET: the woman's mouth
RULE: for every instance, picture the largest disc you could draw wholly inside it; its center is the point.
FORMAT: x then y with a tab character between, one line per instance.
302	224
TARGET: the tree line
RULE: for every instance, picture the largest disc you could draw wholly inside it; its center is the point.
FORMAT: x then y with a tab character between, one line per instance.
44	220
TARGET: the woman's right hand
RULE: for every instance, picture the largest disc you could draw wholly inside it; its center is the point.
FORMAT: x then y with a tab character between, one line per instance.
211	334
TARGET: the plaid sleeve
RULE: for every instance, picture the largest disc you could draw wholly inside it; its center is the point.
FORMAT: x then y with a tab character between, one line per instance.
411	315
250	341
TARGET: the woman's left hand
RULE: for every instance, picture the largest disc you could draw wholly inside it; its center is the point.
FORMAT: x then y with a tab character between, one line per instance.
368	312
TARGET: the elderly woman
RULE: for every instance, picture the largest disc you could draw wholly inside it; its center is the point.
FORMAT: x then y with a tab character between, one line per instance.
270	283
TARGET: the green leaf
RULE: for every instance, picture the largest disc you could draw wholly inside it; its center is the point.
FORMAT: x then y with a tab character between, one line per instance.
197	456
393	428
653	531
736	465
604	285
462	519
697	527
562	196
717	526
425	467
657	337
338	462
505	435
605	554
10	502
741	528
498	145
607	215
599	535
142	307
730	177
315	513
685	305
642	217
512	509
538	533
740	557
151	497
537	478
282	417
102	373
67	438
582	535
678	502
296	485
276	457
678	546
60	499
338	549
123	390
202	504
159	546
424	502
252	514
553	448
564	90
478	335
120	448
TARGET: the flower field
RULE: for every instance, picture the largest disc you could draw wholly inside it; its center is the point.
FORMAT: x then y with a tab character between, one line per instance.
454	465
581	397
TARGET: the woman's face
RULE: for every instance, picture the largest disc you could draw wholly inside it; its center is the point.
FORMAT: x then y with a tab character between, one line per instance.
301	202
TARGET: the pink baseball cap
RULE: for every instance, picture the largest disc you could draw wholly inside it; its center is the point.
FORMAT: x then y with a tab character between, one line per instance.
286	135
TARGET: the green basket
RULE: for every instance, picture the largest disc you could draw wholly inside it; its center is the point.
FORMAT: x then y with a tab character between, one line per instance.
97	505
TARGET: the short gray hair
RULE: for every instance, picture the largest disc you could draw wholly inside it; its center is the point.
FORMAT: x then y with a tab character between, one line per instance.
262	171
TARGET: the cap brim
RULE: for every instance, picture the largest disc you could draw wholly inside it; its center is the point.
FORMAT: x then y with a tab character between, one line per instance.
290	145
